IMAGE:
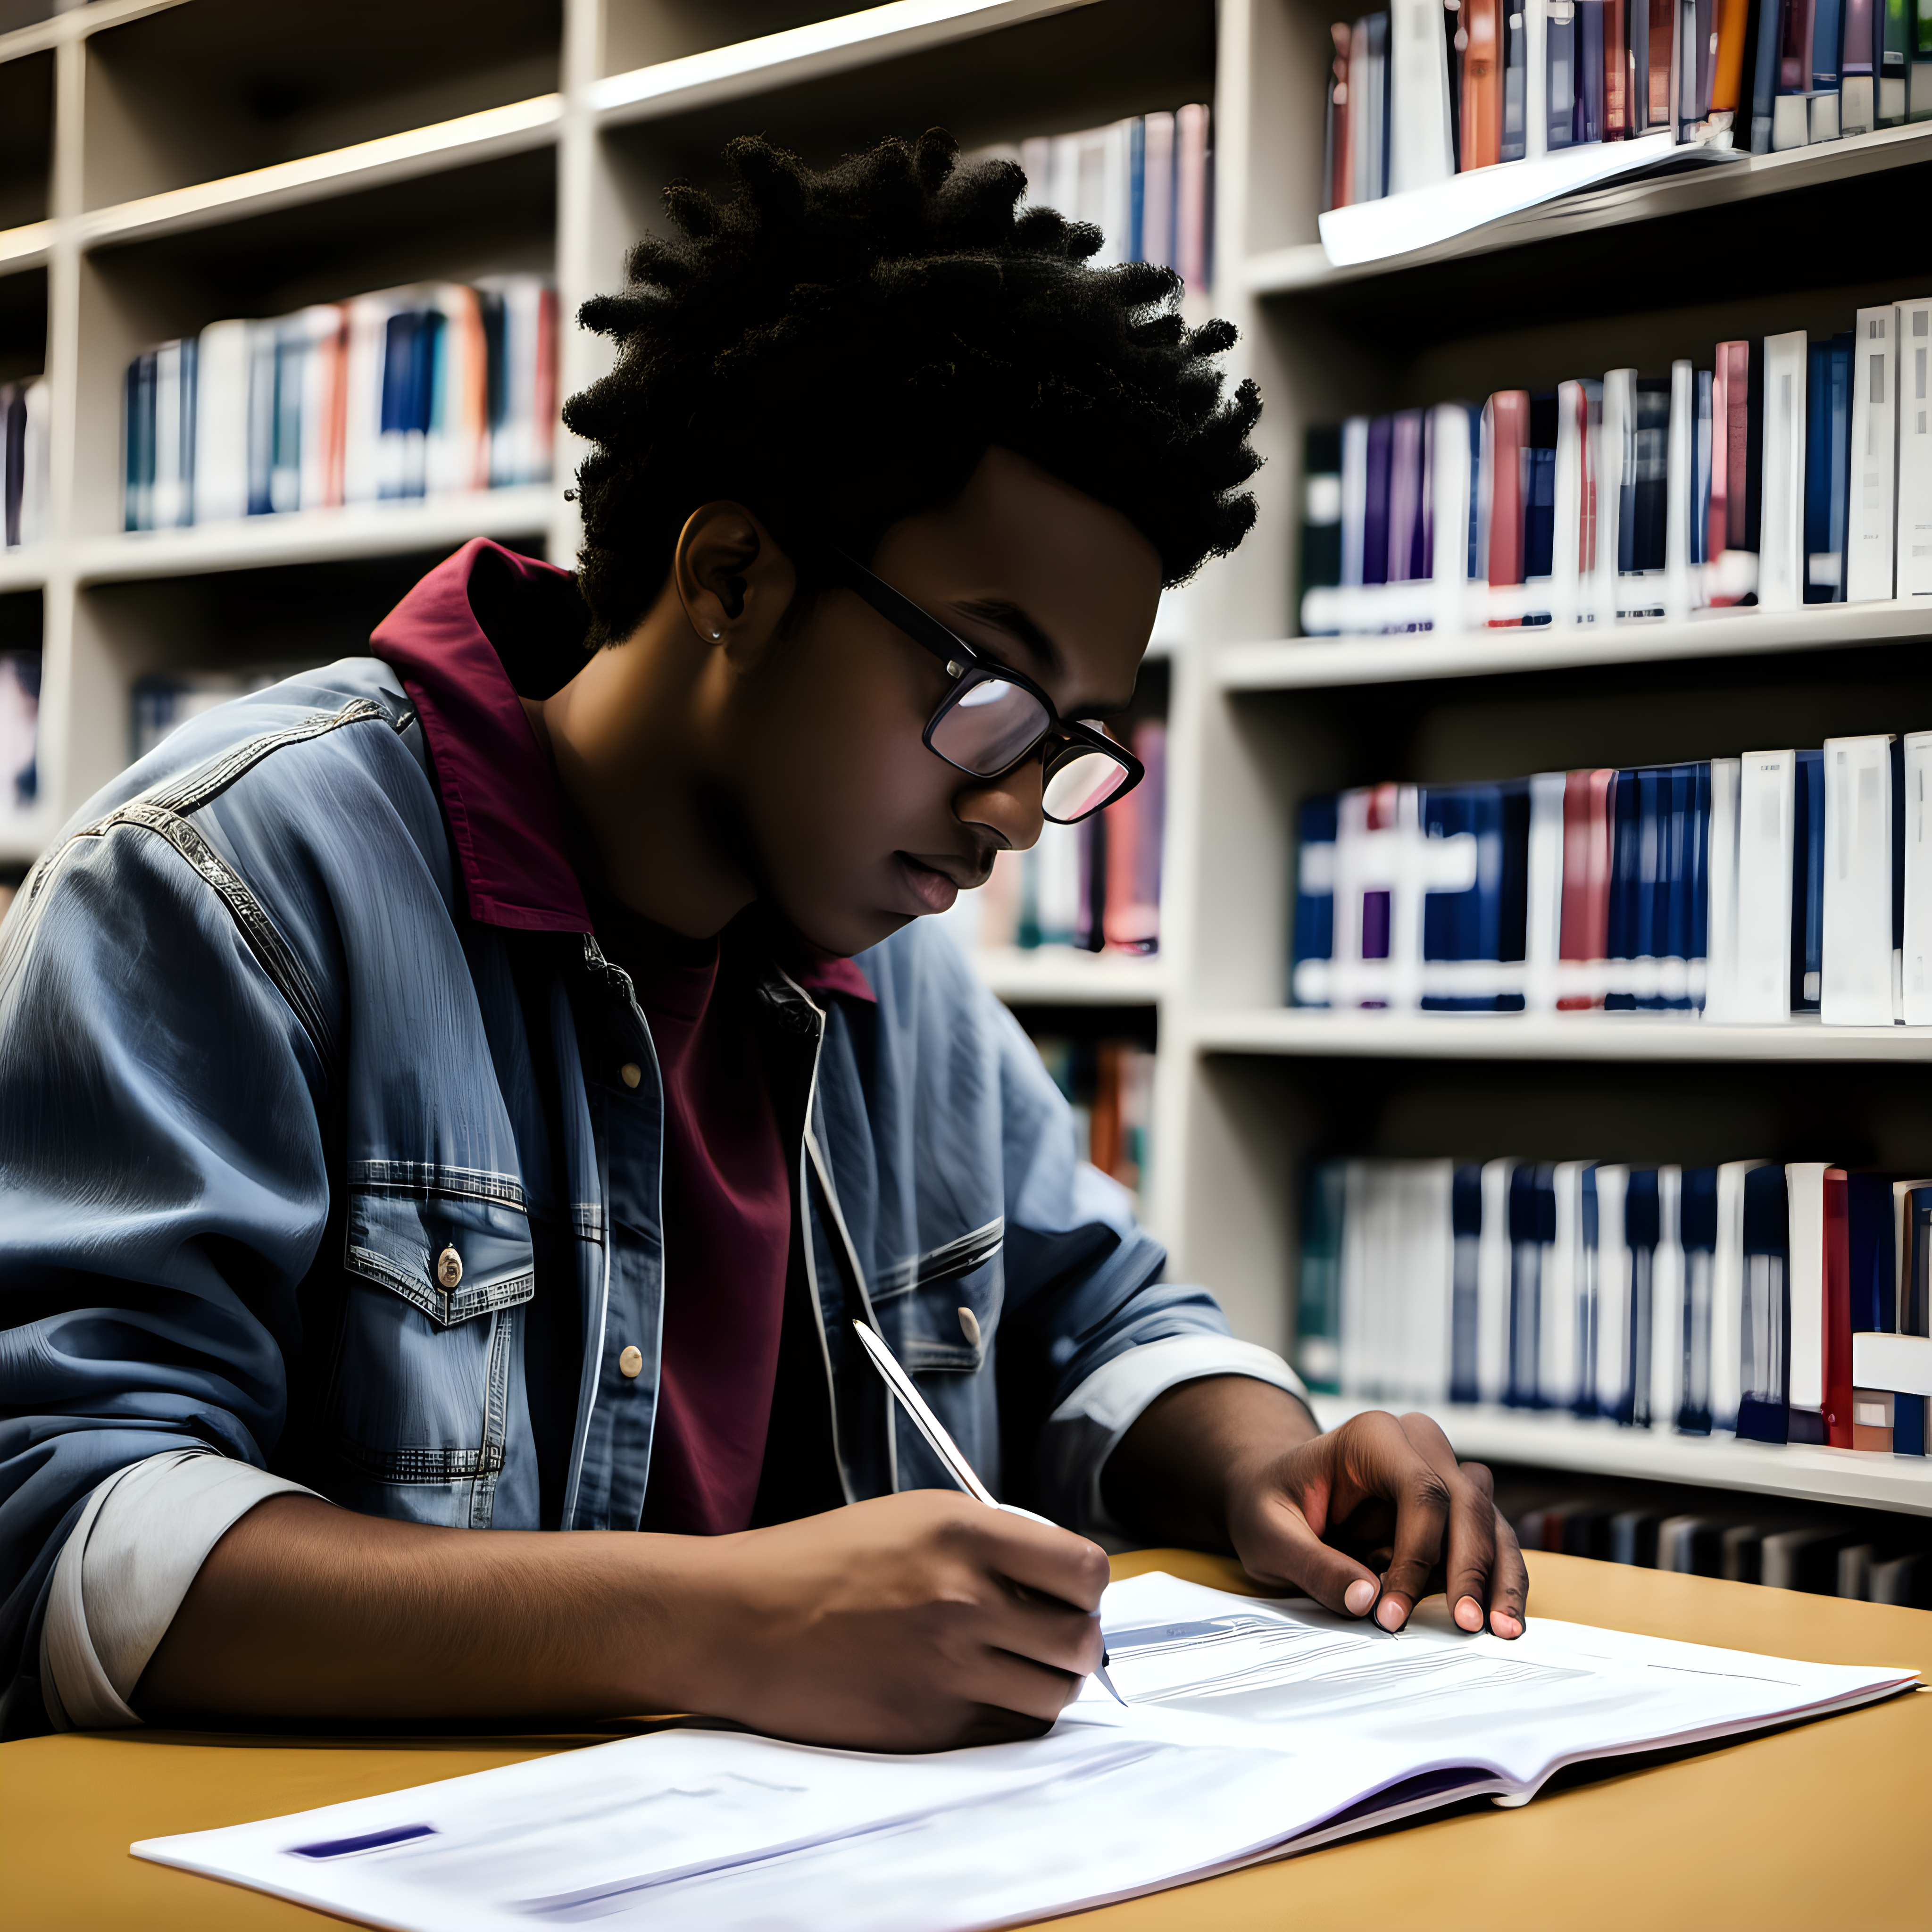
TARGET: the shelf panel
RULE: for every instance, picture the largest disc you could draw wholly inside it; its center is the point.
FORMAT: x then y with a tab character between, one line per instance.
1058	976
1626	1036
1309	663
1306	265
1902	1482
26	247
470	138
835	46
318	536
73	23
23	567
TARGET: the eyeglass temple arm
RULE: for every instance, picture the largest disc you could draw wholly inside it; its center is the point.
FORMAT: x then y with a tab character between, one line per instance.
896	608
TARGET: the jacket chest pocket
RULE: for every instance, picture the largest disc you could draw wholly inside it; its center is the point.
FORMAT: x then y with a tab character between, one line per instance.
431	1346
945	1303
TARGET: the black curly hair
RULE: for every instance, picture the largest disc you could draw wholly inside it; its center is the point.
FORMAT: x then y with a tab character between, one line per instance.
837	350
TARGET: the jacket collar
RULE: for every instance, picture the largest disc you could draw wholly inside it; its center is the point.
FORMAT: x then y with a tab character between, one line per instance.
505	817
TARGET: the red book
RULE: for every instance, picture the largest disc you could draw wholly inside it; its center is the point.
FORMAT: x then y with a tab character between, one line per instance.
1135	828
1616	72
1504	467
1660	107
1483	84
1585	930
1838	1310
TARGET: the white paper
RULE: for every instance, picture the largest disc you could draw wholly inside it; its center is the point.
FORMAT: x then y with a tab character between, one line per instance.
1254	1727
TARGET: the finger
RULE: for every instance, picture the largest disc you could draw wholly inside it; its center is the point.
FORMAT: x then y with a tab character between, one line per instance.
1039	1556
1509	1583
1469	1561
998	1679
1423	1498
1043	1630
1283	1550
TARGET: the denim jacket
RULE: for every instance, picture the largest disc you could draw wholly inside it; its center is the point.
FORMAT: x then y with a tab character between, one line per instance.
275	1176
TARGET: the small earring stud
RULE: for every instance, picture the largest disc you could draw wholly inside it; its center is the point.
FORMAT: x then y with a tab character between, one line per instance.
717	634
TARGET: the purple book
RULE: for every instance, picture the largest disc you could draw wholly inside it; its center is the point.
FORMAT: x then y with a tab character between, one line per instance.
1375	523
1406	550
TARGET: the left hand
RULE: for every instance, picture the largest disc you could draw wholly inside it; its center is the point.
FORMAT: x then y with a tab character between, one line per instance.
1372	1516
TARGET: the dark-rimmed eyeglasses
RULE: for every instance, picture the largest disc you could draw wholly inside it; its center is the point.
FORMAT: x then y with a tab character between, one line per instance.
992	716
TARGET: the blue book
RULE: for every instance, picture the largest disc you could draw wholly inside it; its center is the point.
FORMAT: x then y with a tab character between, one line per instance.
137	406
1642	1225
1640	542
1516	85
1763	78
1375	519
1489	920
1136	190
1314	902
1532	1230
1763	1414
1697	1226
1869	1217
1539	513
1915	1301
1807	882
1561	40
1466	1220
1825	33
1589	1304
1318	1300
262	351
1828	430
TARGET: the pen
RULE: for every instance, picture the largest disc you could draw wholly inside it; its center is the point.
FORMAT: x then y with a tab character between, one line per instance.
948	1451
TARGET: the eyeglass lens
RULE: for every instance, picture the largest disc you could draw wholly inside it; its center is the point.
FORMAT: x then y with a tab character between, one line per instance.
991	724
1081	783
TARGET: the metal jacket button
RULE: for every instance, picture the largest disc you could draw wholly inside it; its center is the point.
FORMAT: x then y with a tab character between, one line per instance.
630	1363
449	1268
631	1073
969	1327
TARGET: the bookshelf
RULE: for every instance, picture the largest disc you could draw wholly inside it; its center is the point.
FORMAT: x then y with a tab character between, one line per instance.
204	157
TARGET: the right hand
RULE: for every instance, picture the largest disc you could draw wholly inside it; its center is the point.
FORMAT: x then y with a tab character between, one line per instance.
914	1622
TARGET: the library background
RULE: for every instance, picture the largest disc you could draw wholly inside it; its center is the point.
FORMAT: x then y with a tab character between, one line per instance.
1509	991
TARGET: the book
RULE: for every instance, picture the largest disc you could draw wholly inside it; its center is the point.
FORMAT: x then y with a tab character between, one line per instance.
1314	942
1827	468
1915	896
1320	556
25	444
1483	60
1421	151
1807	881
1856	941
1781	551
1765	877
1765	1308
1317	1355
19	735
1913	544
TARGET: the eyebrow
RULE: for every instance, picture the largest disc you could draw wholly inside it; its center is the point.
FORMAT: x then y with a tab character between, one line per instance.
1048	660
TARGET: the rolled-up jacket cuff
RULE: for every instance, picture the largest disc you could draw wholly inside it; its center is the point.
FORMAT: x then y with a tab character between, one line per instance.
1087	1428
125	1567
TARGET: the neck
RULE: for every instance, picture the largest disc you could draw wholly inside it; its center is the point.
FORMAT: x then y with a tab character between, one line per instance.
626	736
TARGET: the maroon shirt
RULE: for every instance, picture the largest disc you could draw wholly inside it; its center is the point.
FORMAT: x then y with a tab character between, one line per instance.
727	1175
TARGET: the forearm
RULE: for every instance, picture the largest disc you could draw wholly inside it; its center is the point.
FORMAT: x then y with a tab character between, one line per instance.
306	1610
1170	1479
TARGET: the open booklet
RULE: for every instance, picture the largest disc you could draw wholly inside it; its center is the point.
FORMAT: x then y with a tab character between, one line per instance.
1252	1728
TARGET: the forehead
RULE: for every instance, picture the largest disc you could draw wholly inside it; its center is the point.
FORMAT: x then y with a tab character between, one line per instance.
1015	534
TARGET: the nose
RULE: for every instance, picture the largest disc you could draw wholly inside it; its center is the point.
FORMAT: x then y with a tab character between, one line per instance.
1009	806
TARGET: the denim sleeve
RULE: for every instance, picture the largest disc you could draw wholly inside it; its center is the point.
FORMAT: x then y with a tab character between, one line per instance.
162	1193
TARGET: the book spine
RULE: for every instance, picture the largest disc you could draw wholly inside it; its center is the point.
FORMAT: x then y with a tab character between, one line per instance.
1915	974
1781	538
1856	945
1617	70
1893	37
1913	548
1421	153
1516	80
1482	64
1505	453
1807	882
1836	1338
1680	501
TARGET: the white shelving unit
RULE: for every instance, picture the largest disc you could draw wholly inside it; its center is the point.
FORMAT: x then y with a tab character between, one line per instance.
211	158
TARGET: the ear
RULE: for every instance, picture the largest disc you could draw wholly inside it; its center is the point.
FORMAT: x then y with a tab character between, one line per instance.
734	582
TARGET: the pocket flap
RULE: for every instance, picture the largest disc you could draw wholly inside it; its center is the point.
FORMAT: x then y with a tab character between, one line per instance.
405	1242
946	1303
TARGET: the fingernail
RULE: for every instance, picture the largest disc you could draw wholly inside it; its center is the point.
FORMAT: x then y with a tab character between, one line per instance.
1389	1614
1468	1613
1504	1624
1359	1595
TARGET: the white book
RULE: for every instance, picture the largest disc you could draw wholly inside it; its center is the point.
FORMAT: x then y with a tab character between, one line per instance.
1451	459
1157	190
1616	474
1855	982
36	464
221	422
1535	81
1559	1360
1902	1364
1493	1284
1680	471
1667	1302
1727	1296
1805	1336
1544	939
1873	521
1914	547
1429	1280
1613	1284
1572	482
1419	150
1767	790
1721	997
174	399
1056	884
1916	963
1781	563
1354	496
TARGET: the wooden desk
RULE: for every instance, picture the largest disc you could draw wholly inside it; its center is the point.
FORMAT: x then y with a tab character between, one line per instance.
1829	1823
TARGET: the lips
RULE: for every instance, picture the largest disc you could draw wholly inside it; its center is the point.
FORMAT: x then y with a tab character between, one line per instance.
930	889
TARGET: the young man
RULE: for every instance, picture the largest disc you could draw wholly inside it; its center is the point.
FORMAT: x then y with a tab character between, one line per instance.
479	1086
